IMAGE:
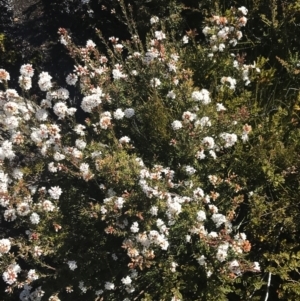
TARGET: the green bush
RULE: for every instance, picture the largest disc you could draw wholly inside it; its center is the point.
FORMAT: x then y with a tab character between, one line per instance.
182	181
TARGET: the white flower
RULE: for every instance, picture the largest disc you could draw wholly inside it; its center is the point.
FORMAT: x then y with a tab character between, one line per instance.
117	74
234	267
201	216
159	35
60	109
55	192
198	193
5	246
76	153
185	39
11	274
48	206
72	265
171	94
61	93
202	96
221	47
11	108
52	167
126	281
153	210
71	79
173	266
27	70
256	266
23	209
154	20
124	139
119	202
25	82
134	227
109	286
245	137
105	120
208	142
201	260
71	111
155	82
213	154
45	81
79	129
90	102
4	75
84	168
10	215
119	47
218	219
32	275
230	80
99	292
17	174
82	287
190	170
243	10
222	252
176	125
34	218
119	114
58	156
129	112
41	115
90	44
220	107
63	41
230	139
80	144
213	234
188	116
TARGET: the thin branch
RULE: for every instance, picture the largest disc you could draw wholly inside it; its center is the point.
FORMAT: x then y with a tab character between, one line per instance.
268	286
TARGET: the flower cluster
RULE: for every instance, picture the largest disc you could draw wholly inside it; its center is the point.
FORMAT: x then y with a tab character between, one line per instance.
85	184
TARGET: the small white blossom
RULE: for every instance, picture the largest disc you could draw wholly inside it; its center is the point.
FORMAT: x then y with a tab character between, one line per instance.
34	218
159	35
176	125
126	281
129	112
72	265
119	114
71	79
55	192
109	286
32	275
201	216
5	246
154	20
135	227
171	94
155	82
80	144
185	39
243	10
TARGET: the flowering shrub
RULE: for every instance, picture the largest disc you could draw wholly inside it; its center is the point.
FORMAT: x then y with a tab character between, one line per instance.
144	198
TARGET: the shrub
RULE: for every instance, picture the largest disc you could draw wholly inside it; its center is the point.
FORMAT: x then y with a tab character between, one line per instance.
151	196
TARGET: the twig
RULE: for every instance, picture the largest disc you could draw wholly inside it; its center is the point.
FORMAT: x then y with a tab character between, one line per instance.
268	286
